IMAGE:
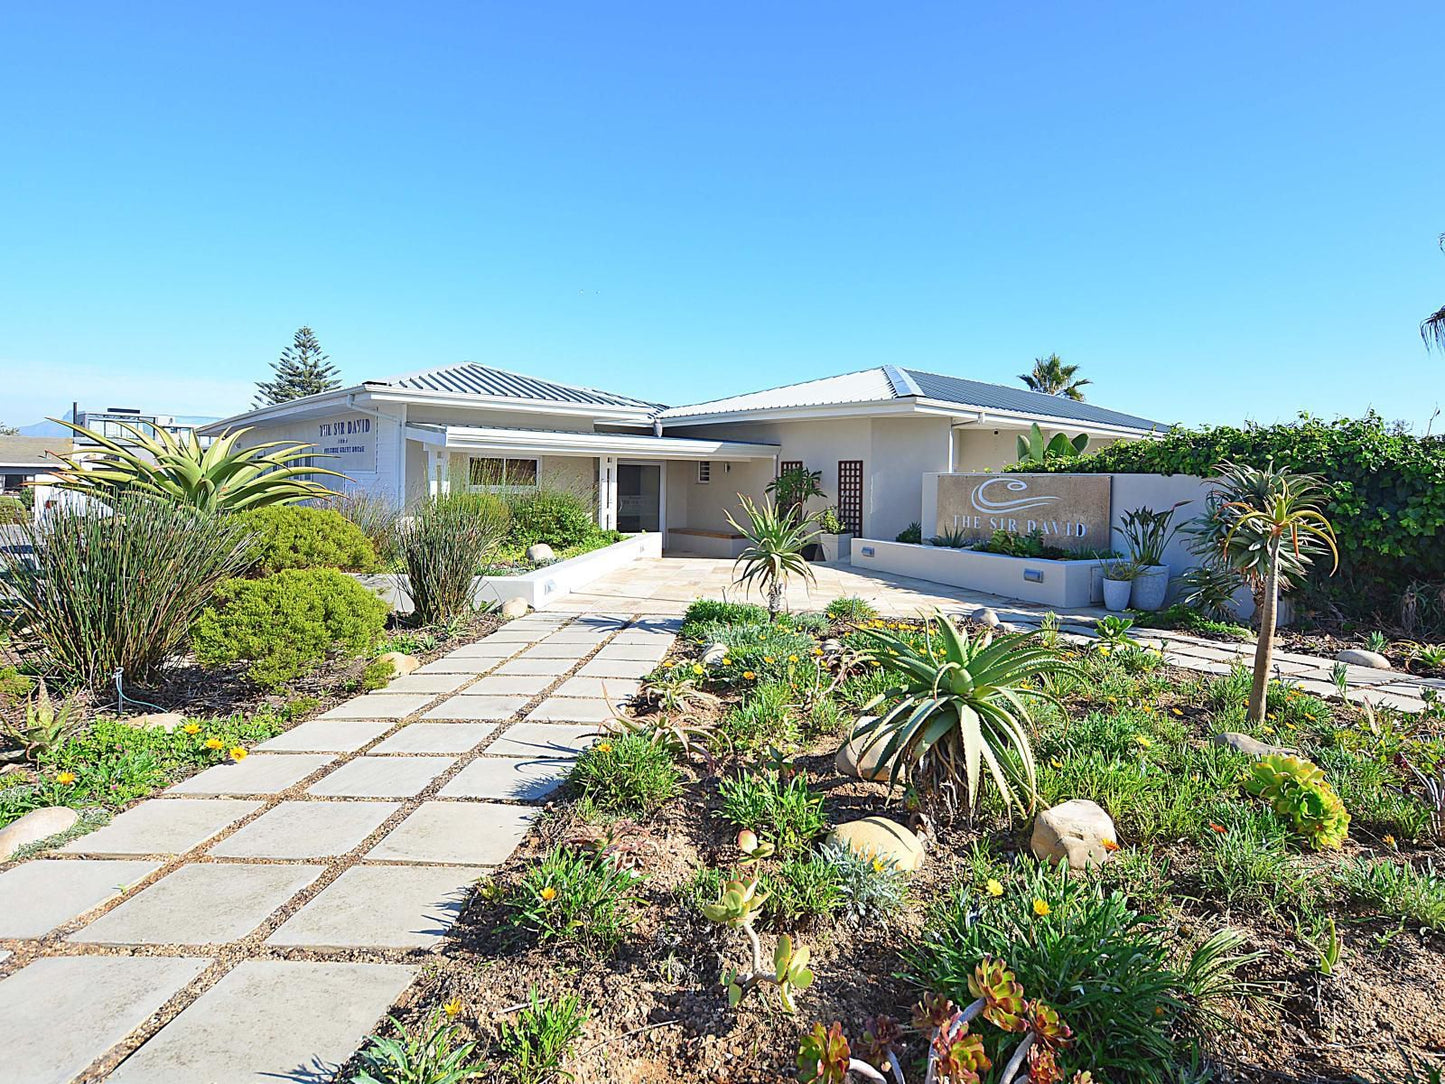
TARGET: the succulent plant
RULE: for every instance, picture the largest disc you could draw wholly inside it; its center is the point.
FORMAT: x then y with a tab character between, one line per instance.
1044	1065
45	729
823	1055
739	904
1048	1025
1002	995
882	1039
1297	789
790	970
958	1055
934	1011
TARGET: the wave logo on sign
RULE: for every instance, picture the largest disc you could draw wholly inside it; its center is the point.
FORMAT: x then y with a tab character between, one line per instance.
986	498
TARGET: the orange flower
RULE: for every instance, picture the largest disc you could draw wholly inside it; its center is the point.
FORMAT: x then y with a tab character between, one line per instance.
548	894
1218	828
1109	844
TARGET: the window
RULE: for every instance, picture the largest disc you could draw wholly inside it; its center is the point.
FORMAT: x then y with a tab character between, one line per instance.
492	474
704	471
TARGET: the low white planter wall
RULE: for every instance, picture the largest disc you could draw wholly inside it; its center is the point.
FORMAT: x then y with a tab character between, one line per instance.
539	587
1062	584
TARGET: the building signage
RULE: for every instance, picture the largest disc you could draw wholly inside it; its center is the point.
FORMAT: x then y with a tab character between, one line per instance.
1070	511
350	442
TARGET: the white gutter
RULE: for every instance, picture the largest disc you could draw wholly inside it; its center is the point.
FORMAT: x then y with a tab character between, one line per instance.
536	442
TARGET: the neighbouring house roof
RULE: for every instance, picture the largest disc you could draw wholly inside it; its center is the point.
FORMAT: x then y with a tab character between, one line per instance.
33	451
887	385
469	378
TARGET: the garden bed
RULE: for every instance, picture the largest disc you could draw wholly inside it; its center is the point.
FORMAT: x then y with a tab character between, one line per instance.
1062	584
1343	951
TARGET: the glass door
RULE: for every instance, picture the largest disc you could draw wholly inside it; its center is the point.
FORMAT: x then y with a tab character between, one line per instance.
639	497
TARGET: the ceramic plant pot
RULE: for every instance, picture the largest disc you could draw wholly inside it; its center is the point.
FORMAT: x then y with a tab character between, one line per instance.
1150	588
1116	594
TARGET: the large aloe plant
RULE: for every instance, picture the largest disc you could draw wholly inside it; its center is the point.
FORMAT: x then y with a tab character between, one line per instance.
774	553
220	478
959	704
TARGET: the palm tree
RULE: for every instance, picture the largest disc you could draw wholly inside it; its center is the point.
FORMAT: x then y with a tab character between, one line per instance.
1052	377
1432	328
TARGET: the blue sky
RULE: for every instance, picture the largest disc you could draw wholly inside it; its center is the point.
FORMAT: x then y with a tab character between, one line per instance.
1219	213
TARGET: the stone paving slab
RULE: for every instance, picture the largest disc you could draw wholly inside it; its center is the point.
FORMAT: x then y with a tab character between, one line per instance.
512	634
259	773
454	738
552	667
399	907
599	621
617	690
63	1012
561	709
201	904
617	668
478	708
453	664
511	685
435	684
543	740
634	652
460	833
164	826
36	897
379	706
381	777
291	1021
319	736
306	830
550	650
507	779
489	649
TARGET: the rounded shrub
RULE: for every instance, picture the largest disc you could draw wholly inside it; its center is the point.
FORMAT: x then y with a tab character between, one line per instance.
556	517
285	624
627	774
290	536
12	509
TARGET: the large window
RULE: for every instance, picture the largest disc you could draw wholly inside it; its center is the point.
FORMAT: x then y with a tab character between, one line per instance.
490	474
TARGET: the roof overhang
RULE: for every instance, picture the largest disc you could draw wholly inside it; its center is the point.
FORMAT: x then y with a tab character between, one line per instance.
495	441
386	393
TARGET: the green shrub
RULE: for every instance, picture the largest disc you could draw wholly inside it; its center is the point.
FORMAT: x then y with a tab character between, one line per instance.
788	815
556	517
708	611
119	589
800	890
851	608
283	625
869	892
432	1054
12	509
913	533
540	1037
627	774
443	546
377	674
765	718
576	899
1397	890
293	536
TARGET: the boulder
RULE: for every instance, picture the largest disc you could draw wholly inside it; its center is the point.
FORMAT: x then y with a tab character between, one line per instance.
539	553
515	607
879	837
1075	831
832	647
159	720
1358	656
869	765
400	663
714	654
36	825
1245	744
985	616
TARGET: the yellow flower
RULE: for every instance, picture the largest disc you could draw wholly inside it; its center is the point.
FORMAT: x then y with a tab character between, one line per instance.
237	754
879	865
727	660
792	658
604	747
994	887
1143	742
1176	711
453	1008
65	777
1109	844
697	668
1041	908
1389	841
1056	763
749	675
817	651
215	743
1103	649
767	658
548	894
191	728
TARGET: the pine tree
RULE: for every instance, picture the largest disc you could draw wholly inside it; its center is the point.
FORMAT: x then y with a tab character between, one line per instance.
301	370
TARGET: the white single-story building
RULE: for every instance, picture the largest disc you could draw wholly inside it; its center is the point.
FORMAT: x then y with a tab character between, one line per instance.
676	470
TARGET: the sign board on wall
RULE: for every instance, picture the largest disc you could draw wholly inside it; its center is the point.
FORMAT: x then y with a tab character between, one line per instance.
351	441
1070	511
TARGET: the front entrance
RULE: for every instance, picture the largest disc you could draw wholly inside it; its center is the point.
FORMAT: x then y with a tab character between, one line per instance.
639	497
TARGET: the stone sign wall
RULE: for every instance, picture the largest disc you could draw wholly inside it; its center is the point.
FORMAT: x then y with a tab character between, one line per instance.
1070	511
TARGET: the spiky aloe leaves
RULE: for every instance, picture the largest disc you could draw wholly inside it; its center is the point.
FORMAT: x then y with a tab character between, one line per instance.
1297	789
1001	993
738	905
791	971
823	1055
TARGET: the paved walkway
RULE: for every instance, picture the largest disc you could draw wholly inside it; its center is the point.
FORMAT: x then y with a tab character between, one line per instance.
257	920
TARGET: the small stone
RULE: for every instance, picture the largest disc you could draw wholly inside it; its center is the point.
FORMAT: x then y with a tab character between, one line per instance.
1074	831
160	720
714	654
401	664
879	837
515	607
869	765
832	647
1358	656
985	616
540	553
1243	743
36	825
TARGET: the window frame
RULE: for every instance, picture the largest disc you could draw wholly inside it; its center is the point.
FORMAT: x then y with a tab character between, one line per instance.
504	486
704	472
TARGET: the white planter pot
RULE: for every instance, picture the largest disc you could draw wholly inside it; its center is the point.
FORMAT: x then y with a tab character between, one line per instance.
1151	587
835	547
1116	594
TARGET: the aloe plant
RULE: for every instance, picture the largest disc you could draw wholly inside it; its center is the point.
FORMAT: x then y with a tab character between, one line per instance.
774	553
45	729
959	704
220	478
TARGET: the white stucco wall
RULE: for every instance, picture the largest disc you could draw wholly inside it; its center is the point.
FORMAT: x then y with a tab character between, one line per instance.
385	460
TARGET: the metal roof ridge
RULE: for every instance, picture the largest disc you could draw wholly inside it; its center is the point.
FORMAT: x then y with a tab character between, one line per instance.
901	381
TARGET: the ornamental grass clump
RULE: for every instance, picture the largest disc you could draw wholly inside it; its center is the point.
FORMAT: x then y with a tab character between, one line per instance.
446	543
627	774
117	587
788	813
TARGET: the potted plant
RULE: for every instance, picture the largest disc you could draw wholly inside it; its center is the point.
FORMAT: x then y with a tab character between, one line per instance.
834	538
1119	577
1147	533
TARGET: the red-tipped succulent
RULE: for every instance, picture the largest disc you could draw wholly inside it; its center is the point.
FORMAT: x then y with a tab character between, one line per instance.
958	1056
1044	1065
882	1038
1003	996
1049	1026
933	1012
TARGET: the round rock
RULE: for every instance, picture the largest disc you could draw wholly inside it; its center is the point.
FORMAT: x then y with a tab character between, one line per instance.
1074	831
1358	656
515	607
852	760
714	654
539	553
879	837
985	616
36	825
159	720
1243	743
400	663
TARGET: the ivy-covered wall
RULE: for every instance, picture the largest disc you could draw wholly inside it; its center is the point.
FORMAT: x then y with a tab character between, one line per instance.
1388	508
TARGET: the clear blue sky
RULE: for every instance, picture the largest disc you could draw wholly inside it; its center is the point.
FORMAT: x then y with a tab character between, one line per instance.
1219	213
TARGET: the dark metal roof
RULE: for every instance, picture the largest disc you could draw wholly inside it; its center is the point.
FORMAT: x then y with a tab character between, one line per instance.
975	393
469	378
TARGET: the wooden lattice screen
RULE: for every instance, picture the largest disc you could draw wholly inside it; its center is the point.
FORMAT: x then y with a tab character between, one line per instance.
850	494
789	464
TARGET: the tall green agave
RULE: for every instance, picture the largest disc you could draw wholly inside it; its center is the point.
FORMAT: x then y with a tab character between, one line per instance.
959	704
774	553
220	478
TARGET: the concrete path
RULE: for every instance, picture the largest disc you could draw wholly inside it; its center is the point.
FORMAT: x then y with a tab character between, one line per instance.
257	920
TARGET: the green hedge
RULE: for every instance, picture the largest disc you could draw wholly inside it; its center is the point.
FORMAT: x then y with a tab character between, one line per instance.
297	537
1389	505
